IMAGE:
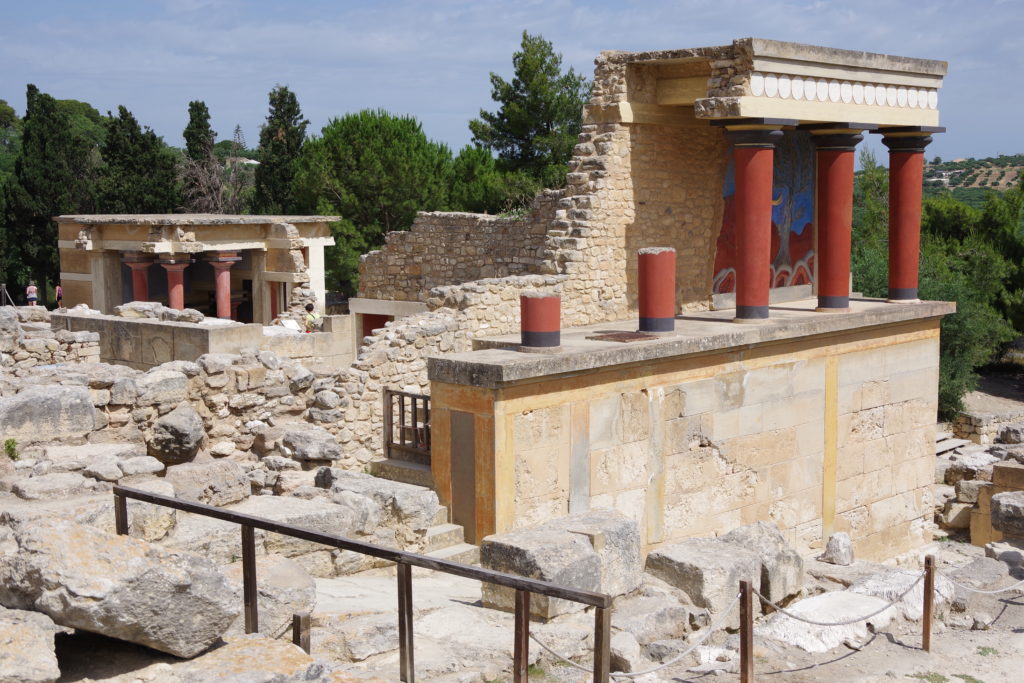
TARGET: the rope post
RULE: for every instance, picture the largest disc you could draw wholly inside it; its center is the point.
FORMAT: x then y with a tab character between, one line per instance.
521	650
746	633
929	601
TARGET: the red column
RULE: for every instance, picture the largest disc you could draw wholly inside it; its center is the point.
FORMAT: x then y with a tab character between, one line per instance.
140	278
656	277
906	174
541	320
272	288
176	281
754	156
835	215
222	263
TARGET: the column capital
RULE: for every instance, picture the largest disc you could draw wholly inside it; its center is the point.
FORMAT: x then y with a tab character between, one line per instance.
839	137
130	258
754	132
912	139
223	257
176	265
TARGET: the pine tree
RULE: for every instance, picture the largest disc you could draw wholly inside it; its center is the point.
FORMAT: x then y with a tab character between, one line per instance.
540	114
139	171
281	139
376	170
52	176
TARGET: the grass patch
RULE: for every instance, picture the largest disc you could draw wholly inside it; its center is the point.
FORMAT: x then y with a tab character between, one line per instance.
930	677
534	670
967	678
986	651
11	449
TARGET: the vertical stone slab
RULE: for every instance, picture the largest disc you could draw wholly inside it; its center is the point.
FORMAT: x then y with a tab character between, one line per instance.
463	471
828	483
579	463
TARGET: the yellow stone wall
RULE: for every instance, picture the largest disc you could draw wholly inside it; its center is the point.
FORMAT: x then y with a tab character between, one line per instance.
830	433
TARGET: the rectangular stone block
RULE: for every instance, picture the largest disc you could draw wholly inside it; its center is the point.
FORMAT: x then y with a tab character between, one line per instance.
1010	475
981	528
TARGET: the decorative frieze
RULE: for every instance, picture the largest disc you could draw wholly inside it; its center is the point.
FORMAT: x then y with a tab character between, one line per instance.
810	89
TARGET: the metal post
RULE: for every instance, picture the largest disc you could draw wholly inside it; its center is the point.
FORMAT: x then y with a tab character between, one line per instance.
929	600
388	427
405	656
300	630
746	633
602	644
252	623
521	650
120	515
401	419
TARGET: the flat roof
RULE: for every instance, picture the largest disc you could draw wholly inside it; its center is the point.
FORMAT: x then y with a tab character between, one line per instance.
499	363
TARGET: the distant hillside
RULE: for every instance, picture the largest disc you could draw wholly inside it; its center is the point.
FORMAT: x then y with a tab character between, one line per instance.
970	179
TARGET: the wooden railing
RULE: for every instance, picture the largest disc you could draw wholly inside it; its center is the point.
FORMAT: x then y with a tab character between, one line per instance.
405	561
407	426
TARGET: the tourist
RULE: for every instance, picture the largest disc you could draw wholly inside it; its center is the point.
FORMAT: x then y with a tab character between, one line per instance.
31	293
313	321
60	296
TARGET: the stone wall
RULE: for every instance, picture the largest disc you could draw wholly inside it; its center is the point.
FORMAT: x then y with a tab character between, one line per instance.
26	341
820	435
983	428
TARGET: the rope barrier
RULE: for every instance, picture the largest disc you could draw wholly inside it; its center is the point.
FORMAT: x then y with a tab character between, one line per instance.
711	629
1016	586
840	623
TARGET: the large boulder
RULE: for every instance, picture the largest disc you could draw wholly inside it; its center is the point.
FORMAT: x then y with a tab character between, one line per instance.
176	436
10	330
117	586
708	570
616	540
221	482
782	568
413	506
834	607
1008	512
284	589
310	443
47	412
891	584
251	659
26	647
57	485
542	553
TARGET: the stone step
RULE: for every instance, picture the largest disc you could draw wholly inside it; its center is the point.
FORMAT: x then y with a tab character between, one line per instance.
942	436
462	552
444	536
949	445
405	472
441	517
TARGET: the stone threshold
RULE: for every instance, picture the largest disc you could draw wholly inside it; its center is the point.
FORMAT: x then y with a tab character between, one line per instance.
497	361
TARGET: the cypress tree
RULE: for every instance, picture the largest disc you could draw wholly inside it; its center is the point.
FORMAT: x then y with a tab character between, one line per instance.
281	139
200	171
139	172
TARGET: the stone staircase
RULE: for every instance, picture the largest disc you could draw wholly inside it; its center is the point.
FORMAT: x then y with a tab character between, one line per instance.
446	541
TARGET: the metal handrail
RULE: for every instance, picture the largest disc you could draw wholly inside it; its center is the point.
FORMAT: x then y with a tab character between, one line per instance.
405	560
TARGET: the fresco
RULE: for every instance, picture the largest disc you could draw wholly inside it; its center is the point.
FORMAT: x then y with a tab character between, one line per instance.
792	218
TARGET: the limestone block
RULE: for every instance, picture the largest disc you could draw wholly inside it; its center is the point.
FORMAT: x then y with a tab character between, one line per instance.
46	413
118	586
1010	475
829	607
252	658
215	483
56	485
625	653
309	443
413	506
104	468
176	436
141	464
1008	512
707	570
161	386
310	514
782	568
284	589
1012	433
27	655
616	539
548	554
838	550
967	490
1010	551
890	583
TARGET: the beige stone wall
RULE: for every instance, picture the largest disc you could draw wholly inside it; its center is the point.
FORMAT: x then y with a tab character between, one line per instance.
832	436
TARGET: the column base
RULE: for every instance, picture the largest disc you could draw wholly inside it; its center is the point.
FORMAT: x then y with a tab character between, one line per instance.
831	309
657	324
751	314
752	321
902	301
539	349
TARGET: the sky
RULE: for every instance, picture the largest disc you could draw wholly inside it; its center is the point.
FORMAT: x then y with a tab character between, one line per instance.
432	58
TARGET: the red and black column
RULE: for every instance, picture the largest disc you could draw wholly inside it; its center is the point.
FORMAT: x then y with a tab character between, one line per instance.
753	143
541	317
906	176
835	145
656	277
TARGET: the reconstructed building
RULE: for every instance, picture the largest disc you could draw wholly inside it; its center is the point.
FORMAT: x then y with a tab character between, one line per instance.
778	396
239	267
